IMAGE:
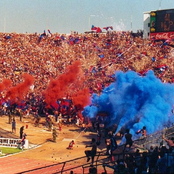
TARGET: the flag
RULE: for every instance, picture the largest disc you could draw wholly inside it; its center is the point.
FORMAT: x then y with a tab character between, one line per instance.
162	67
90	69
101	56
111	27
153	59
77	40
99	86
107	28
71	40
49	32
7	37
93	27
93	70
42	35
65	106
55	105
98	30
62	37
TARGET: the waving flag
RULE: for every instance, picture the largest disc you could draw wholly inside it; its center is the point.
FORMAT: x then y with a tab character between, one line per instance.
98	30
107	28
71	40
93	27
55	105
62	37
49	32
65	106
77	40
101	56
42	35
153	59
7	37
93	70
162	67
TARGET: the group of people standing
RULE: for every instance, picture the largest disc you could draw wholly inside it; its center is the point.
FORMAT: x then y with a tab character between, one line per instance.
111	144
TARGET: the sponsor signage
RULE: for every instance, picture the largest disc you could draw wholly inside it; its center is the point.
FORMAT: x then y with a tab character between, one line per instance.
162	35
162	24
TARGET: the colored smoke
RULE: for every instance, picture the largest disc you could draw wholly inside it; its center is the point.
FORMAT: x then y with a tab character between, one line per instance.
5	84
133	101
17	92
58	87
82	98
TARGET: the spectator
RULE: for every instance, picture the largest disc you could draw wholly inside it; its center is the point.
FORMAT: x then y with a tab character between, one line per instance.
128	137
54	134
21	132
113	146
99	137
144	131
161	164
23	140
108	144
170	142
71	145
91	153
13	125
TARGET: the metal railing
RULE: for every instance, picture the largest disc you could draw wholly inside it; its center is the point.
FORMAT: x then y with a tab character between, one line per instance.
101	159
155	139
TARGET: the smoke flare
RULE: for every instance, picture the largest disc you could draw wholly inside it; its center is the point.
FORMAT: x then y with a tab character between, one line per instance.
133	101
58	87
18	91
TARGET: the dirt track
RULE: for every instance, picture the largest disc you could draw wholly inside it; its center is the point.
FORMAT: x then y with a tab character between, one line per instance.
47	156
46	149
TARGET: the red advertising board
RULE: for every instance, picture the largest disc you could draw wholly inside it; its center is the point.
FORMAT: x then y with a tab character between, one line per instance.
162	35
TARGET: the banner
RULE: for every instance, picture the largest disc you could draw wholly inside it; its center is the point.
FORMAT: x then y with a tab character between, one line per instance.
162	35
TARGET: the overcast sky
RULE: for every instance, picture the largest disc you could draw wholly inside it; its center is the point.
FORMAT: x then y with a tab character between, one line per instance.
64	16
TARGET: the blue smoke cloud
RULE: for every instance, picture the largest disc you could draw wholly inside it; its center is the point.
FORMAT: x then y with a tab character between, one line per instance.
133	101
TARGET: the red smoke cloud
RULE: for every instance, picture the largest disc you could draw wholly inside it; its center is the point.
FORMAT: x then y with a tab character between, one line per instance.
81	99
58	88
5	84
18	91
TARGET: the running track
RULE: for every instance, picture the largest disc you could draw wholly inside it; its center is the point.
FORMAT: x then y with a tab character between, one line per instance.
16	165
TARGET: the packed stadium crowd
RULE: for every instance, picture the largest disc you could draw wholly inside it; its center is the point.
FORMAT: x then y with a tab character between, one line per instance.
46	56
31	65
